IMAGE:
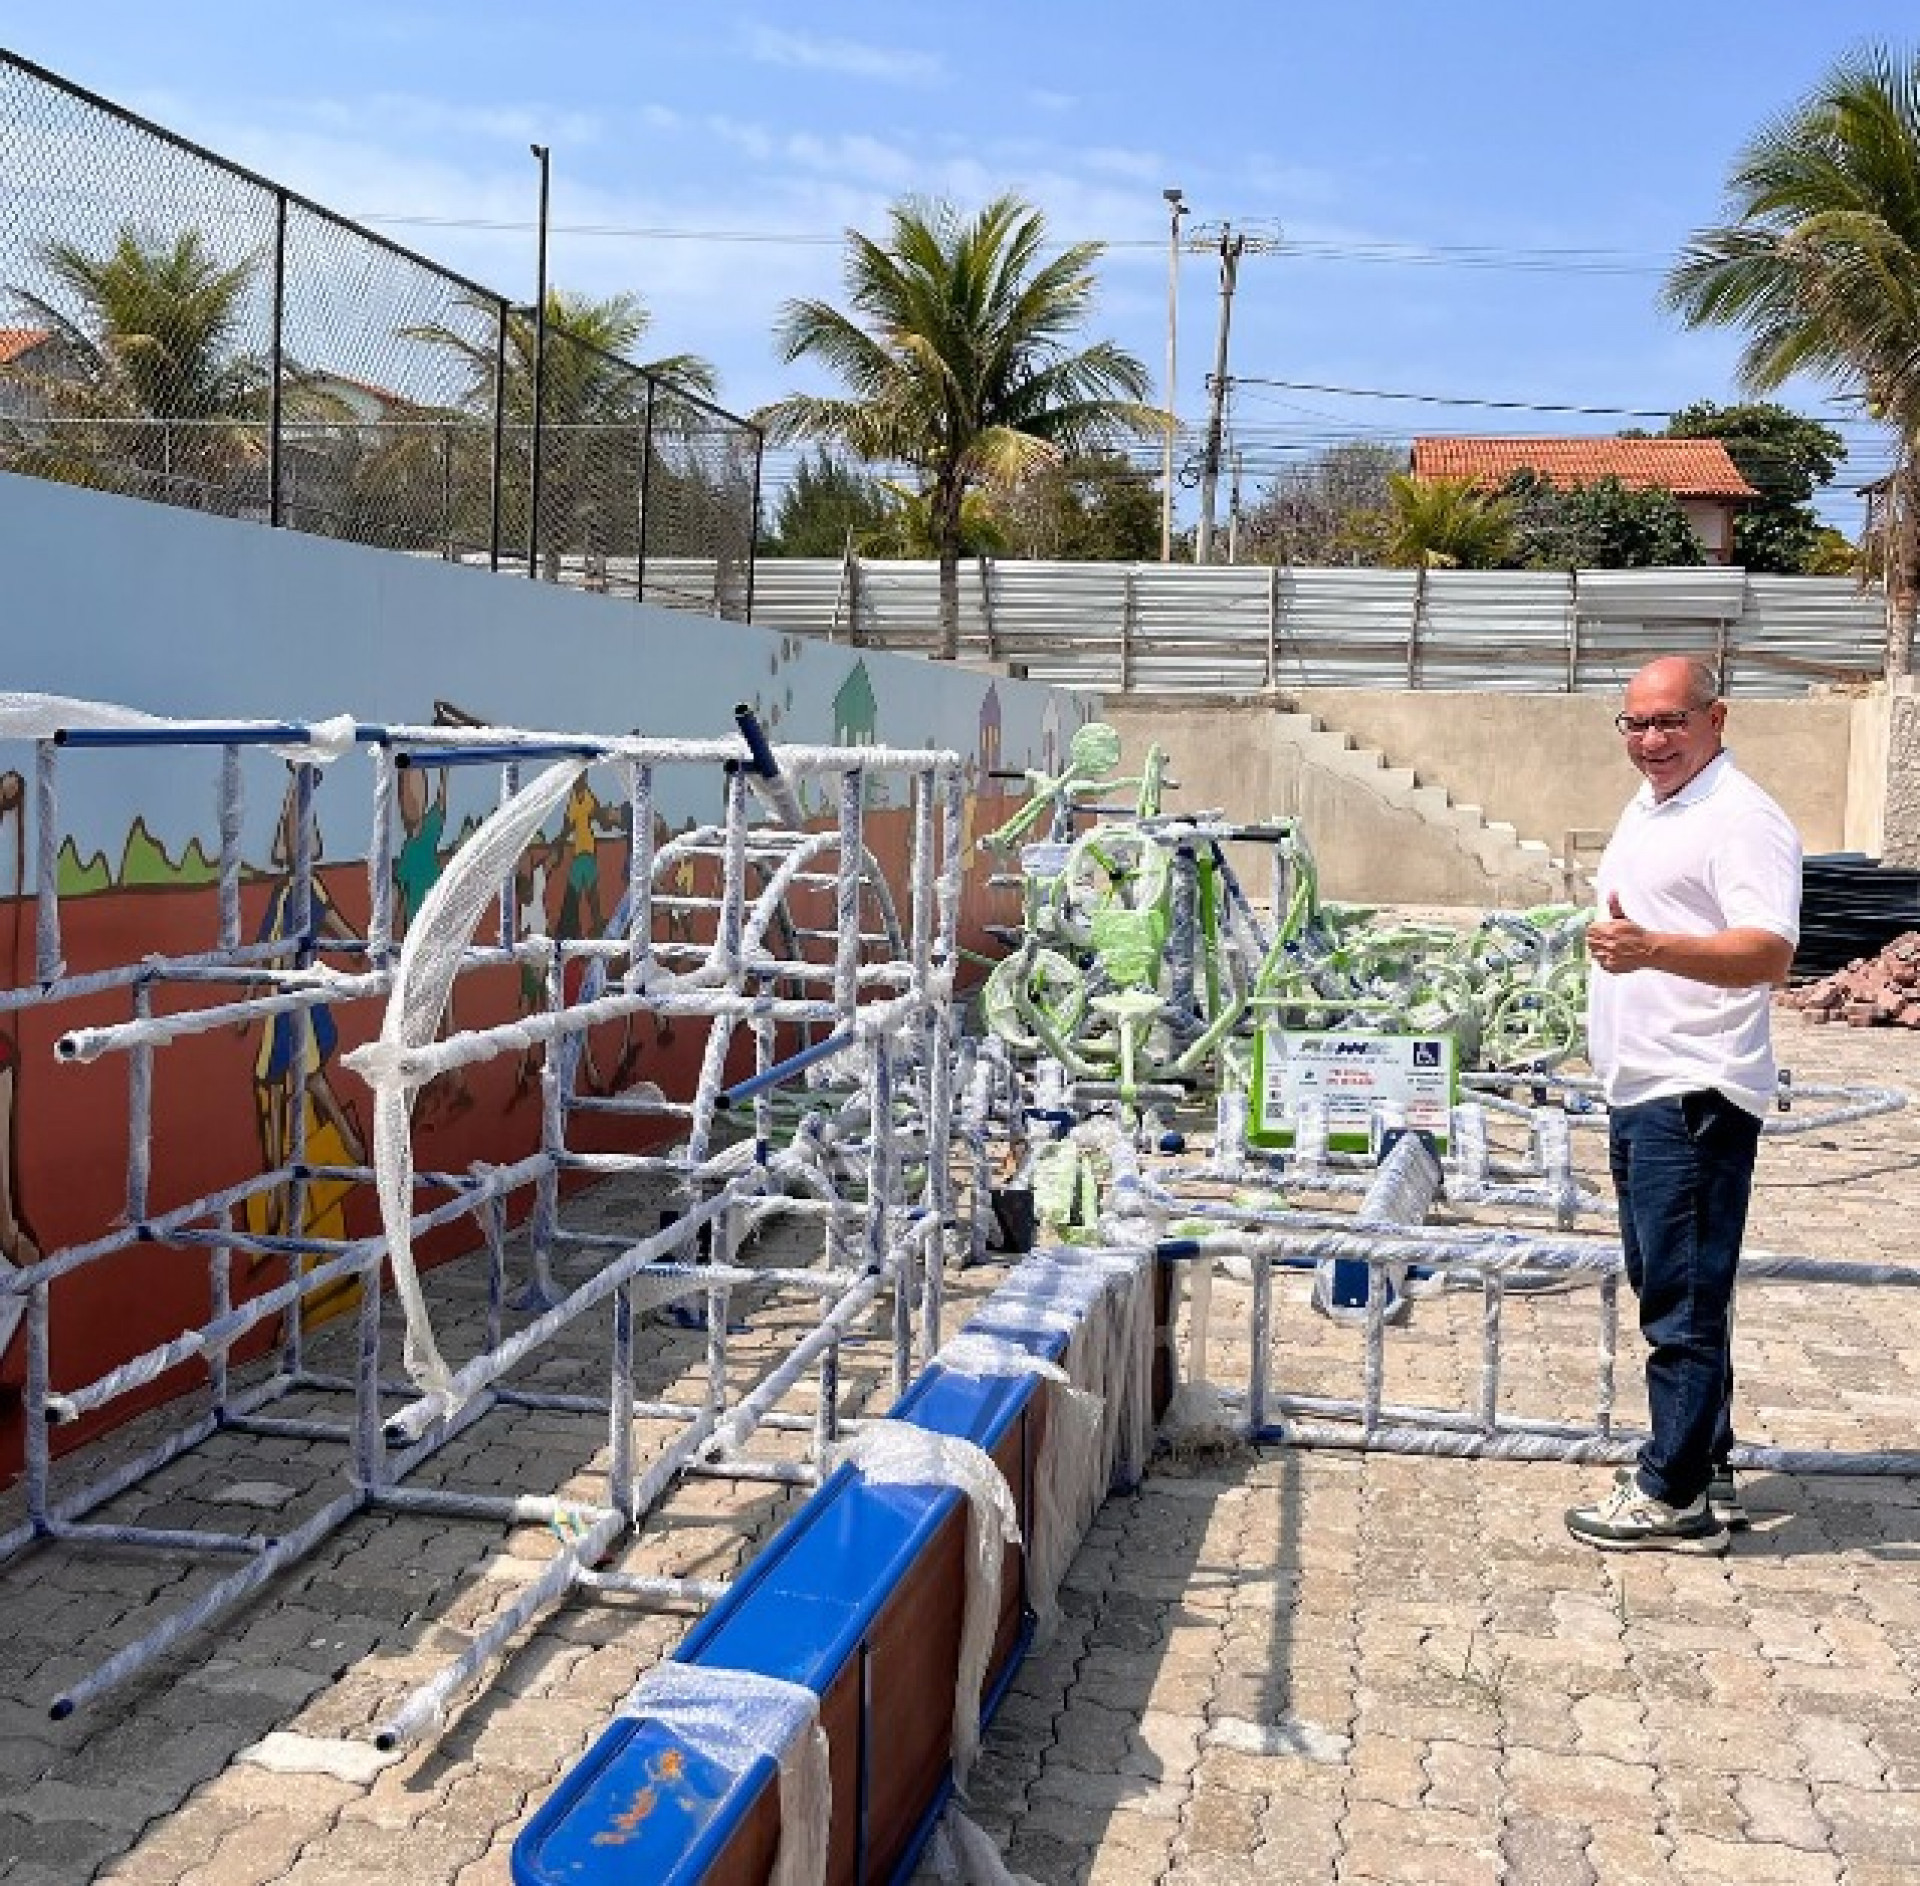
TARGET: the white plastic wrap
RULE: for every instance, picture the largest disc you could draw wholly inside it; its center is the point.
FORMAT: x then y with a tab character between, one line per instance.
41	716
894	1453
1102	1300
962	1853
733	1717
429	961
1067	1469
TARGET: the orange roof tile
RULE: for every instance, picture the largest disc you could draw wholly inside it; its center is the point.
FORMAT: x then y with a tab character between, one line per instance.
15	341
1689	468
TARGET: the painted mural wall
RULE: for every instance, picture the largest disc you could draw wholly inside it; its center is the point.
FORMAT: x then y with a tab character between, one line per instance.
174	614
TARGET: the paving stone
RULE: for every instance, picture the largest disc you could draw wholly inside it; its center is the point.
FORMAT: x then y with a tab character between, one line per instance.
1780	1812
1218	1822
1878	1825
1461	1780
1388	1768
1624	1857
1418	1848
1546	1852
1752	1863
1592	1790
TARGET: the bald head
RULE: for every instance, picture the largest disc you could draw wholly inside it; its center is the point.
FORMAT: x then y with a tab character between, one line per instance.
1689	680
1672	720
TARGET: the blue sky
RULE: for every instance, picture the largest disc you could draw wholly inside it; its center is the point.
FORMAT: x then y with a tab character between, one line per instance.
1474	201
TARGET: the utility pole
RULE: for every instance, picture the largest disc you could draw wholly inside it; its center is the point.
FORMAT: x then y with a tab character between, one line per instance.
1177	208
1233	511
1232	247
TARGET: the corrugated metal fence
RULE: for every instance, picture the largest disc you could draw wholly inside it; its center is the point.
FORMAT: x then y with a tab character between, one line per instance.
1180	628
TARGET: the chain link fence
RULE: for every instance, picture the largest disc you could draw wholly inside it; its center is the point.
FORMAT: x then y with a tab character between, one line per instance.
174	328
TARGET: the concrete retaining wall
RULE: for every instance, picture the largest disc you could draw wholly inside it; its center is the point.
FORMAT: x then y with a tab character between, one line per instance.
1539	766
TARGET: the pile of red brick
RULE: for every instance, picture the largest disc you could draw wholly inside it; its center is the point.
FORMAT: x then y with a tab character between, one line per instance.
1877	992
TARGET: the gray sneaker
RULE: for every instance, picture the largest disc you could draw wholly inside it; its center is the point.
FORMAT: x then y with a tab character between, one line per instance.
1628	1520
1724	1501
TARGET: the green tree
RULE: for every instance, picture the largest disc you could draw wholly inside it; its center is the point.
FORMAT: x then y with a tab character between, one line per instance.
908	528
147	386
1600	525
1819	263
1783	456
594	410
1095	509
1834	554
1447	524
827	506
956	352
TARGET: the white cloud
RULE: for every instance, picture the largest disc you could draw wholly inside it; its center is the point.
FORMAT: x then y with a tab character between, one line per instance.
770	45
385	116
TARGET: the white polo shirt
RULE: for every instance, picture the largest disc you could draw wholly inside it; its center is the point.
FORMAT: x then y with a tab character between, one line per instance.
1719	855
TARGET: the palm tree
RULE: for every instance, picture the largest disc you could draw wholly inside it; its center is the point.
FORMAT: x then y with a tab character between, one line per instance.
146	386
957	358
594	405
1820	263
1447	524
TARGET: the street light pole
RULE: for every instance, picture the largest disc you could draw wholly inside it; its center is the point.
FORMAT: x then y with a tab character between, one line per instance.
1177	208
542	156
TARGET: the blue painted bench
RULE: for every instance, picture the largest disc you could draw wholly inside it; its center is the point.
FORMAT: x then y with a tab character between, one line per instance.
858	1596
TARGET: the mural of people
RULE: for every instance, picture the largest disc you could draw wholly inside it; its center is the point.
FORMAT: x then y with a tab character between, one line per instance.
294	1044
18	1246
416	870
530	877
584	819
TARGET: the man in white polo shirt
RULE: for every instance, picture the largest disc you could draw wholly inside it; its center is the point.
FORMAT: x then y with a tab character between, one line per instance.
1699	894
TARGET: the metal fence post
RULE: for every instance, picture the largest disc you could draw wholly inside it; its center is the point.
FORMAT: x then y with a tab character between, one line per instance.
276	400
1273	626
753	518
646	493
1413	627
1573	631
499	436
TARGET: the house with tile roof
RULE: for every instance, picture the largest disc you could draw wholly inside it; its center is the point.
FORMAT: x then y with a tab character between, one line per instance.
1698	472
26	355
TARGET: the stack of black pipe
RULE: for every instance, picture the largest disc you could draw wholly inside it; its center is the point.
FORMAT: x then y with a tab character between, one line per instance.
1851	906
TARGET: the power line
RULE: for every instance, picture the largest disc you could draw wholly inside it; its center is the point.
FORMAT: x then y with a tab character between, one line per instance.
1568	261
1445	399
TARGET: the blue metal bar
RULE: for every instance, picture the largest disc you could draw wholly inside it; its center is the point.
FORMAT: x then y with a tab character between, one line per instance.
204	734
493	756
782	1071
752	733
766	767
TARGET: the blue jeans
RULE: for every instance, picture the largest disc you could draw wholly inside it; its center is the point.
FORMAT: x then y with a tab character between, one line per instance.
1683	1173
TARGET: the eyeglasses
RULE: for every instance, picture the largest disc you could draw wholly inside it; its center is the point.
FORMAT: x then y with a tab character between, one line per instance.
1634	725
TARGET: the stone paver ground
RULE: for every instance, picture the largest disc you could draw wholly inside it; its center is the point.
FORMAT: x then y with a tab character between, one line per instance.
1275	1665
